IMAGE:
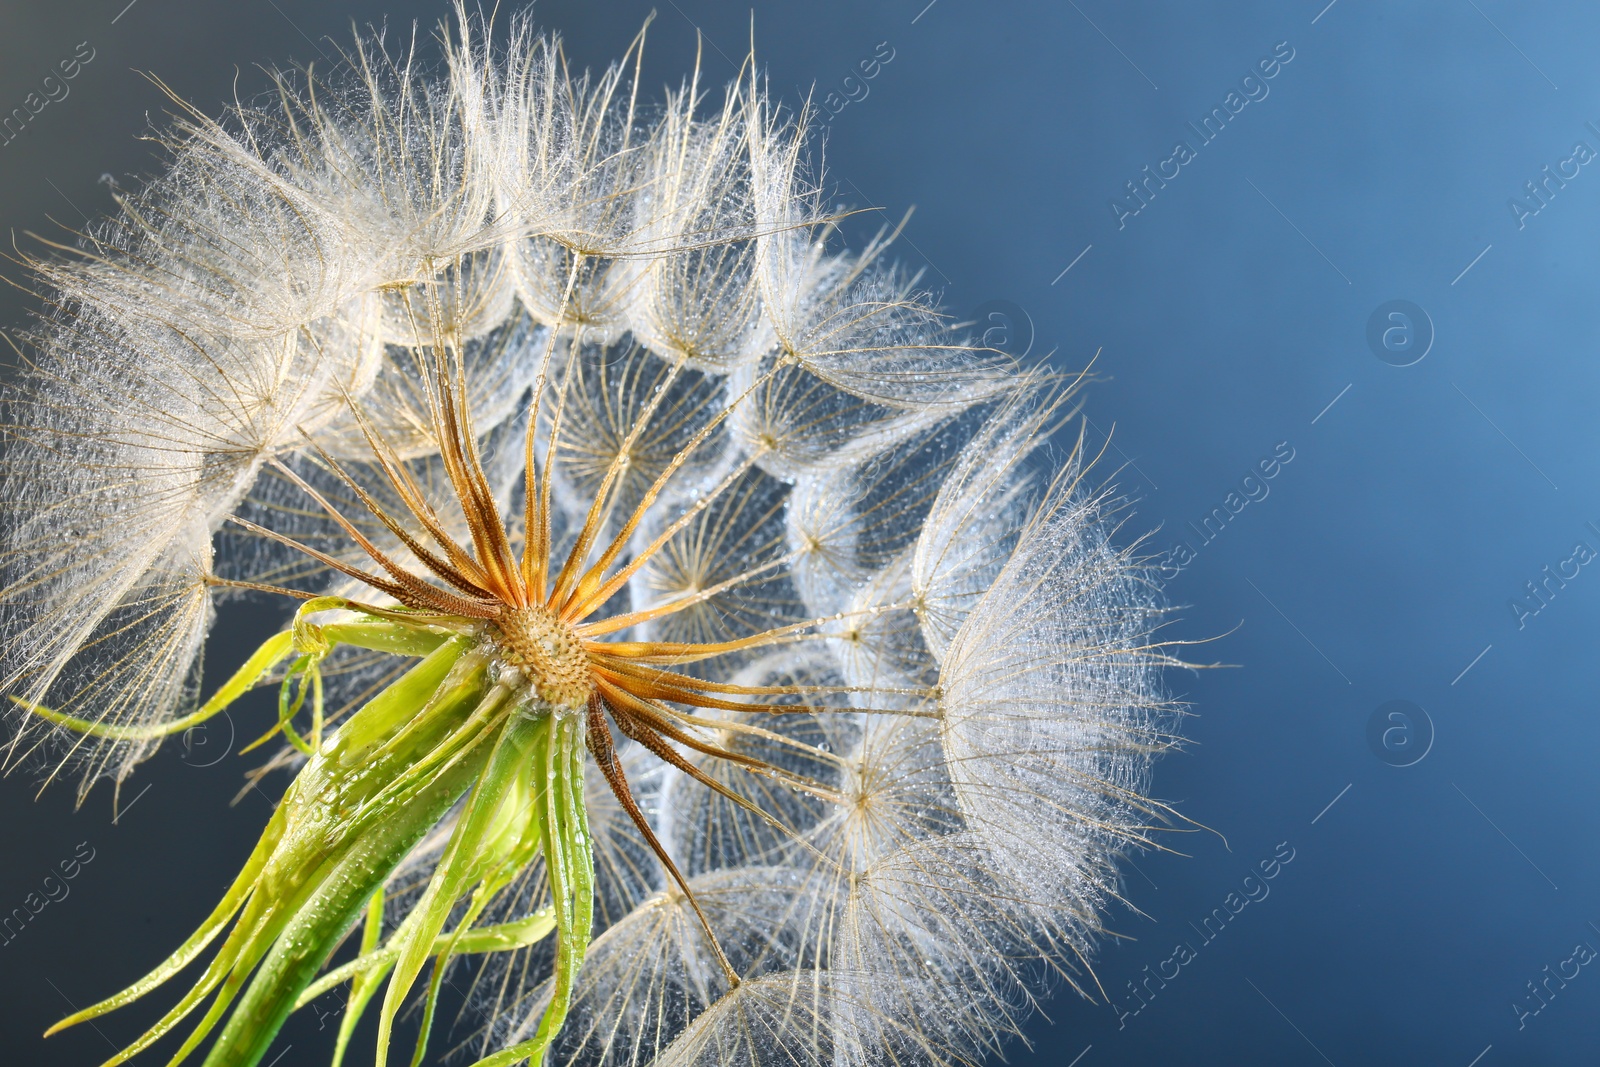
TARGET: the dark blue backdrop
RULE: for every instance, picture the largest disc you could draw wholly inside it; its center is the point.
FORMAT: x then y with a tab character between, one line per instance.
1433	877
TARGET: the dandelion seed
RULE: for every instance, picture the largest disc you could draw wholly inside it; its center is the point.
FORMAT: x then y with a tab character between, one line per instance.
692	630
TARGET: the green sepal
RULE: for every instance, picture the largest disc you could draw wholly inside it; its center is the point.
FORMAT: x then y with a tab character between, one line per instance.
269	655
495	802
362	779
569	864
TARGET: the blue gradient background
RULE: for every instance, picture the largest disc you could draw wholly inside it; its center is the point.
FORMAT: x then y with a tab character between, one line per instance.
1228	313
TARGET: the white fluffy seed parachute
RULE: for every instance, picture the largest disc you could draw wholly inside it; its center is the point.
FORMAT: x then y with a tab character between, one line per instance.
575	401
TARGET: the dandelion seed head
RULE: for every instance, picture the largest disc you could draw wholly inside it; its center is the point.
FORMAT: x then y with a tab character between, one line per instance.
588	388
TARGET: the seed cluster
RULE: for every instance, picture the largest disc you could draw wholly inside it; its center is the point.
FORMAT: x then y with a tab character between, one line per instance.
548	653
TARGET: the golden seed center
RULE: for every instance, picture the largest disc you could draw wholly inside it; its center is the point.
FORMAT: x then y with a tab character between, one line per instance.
547	651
